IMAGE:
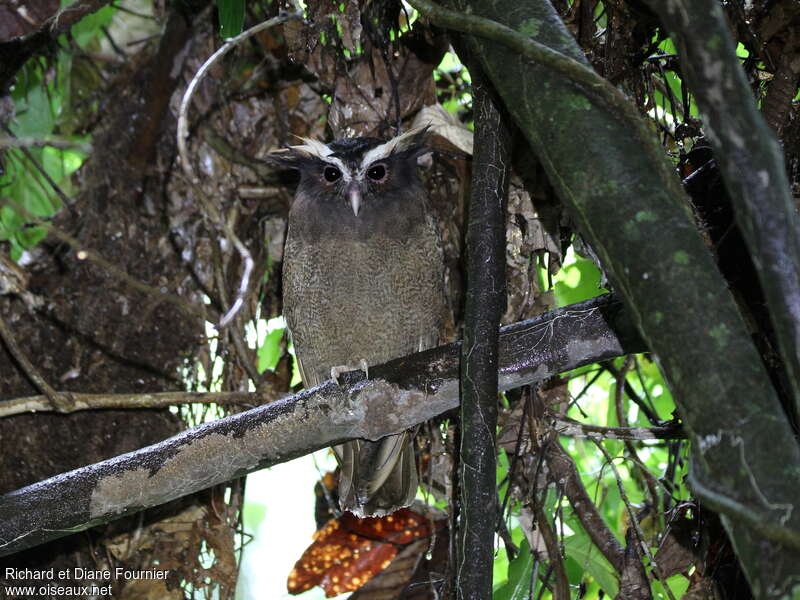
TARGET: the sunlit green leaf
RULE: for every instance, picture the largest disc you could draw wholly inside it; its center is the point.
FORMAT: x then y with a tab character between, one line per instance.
678	584
270	351
581	549
88	28
577	281
518	586
500	571
231	17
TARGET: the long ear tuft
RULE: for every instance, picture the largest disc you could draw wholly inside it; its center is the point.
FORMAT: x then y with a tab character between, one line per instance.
284	158
410	144
293	156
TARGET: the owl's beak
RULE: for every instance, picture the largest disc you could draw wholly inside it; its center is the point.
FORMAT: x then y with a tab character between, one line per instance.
354	196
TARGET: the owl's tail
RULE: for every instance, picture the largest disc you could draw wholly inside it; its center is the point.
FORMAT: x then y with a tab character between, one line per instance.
377	478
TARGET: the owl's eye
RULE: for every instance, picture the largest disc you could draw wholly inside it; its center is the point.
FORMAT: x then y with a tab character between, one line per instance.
331	174
377	173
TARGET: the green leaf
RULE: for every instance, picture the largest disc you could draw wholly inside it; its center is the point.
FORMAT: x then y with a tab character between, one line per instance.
577	281
270	351
678	584
30	236
581	549
88	29
499	571
231	17
35	117
254	515
518	586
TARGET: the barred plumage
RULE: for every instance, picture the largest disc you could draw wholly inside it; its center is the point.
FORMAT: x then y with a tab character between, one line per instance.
363	279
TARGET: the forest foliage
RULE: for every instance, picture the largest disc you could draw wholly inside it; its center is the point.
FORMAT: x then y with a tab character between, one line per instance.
638	486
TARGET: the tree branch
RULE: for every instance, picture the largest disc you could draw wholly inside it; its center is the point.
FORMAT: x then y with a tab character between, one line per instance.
60	401
485	304
31	404
53	141
566	426
564	471
751	162
210	208
625	196
15	52
402	393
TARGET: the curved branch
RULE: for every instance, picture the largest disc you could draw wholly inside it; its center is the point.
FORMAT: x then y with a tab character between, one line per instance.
183	135
562	64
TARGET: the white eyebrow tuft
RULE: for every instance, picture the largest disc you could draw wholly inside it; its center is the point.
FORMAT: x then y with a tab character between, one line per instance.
313	148
396	144
322	151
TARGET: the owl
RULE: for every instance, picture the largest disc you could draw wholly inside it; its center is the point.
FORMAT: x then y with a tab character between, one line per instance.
363	282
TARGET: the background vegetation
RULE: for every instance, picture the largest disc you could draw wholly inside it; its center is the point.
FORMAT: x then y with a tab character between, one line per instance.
115	273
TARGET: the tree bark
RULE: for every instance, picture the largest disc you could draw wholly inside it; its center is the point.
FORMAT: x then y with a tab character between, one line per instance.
751	162
627	203
485	305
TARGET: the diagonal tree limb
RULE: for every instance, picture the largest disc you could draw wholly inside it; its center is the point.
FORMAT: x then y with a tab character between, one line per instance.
400	394
627	202
60	401
566	473
751	162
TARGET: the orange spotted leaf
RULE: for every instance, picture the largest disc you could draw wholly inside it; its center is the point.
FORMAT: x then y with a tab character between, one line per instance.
348	551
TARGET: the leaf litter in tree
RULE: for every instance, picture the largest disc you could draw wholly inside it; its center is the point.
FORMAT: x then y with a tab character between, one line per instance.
348	551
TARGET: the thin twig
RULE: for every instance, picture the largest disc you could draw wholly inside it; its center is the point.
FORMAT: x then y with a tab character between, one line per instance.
124	9
563	469
24	149
622	419
648	411
643	545
58	401
52	141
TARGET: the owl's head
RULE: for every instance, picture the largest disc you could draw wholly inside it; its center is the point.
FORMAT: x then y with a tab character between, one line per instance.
357	171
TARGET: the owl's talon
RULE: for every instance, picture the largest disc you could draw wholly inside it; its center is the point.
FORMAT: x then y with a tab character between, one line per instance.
336	371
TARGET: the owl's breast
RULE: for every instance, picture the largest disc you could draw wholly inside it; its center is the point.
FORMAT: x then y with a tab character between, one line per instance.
351	298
